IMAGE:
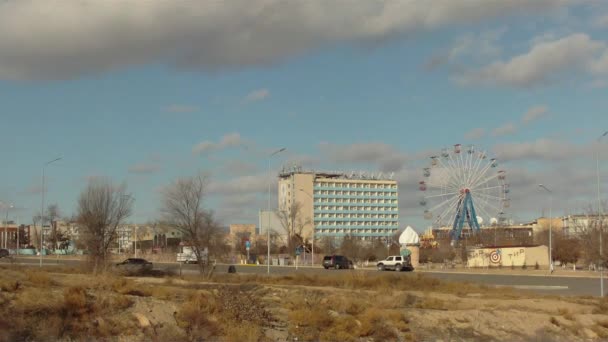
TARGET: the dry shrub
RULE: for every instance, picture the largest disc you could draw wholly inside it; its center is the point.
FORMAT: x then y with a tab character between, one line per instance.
565	312
197	316
602	306
245	331
351	305
75	300
343	328
113	326
167	333
34	301
163	292
375	322
46	329
121	302
124	286
9	285
38	278
603	323
307	323
109	302
601	329
430	303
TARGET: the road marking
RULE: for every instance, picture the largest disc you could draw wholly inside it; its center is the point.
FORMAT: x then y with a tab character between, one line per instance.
536	287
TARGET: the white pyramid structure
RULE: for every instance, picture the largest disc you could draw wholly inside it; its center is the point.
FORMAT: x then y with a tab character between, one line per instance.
409	237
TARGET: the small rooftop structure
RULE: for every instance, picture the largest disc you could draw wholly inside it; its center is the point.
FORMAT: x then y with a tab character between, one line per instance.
409	237
287	171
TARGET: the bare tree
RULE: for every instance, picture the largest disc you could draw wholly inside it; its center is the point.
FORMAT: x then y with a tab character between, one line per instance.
52	214
352	247
182	209
588	227
102	208
293	224
35	219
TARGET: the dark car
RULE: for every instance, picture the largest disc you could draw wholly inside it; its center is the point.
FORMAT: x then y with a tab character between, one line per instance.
135	265
337	262
4	253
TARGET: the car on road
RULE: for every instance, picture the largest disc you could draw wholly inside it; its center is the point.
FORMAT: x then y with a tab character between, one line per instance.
337	262
396	263
135	265
4	253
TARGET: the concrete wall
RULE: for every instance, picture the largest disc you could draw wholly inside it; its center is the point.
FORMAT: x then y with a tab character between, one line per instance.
508	256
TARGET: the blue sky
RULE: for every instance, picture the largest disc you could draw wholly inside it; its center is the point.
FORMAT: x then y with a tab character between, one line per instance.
351	85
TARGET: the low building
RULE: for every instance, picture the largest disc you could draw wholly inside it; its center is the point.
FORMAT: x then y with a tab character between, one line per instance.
514	256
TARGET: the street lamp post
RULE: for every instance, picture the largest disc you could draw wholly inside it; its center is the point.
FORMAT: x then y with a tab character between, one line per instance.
599	213
42	208
268	213
5	240
550	226
312	218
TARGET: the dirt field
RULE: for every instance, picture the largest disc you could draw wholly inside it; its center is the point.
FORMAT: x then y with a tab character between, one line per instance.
344	306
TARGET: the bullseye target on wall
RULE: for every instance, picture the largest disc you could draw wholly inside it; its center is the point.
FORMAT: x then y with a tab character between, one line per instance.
495	256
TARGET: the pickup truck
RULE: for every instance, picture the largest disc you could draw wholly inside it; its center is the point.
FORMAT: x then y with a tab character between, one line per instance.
395	263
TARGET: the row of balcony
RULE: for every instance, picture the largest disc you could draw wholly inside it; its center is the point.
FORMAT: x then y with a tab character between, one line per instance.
354	233
384	197
329	188
342	226
357	219
347	204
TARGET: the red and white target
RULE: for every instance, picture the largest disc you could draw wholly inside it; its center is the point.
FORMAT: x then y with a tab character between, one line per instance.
495	256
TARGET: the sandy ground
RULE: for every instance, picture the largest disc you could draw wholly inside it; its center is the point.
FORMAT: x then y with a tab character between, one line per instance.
433	316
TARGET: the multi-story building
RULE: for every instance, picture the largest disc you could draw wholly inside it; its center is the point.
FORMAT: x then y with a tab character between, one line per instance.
339	204
576	225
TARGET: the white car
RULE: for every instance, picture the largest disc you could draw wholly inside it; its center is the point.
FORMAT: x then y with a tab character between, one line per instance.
395	263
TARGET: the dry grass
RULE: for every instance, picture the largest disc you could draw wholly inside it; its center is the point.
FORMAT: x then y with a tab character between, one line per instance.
383	282
38	278
342	306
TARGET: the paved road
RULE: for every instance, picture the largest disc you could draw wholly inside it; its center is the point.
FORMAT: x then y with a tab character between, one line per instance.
554	284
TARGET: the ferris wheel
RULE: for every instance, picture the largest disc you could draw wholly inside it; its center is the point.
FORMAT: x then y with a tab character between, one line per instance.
463	185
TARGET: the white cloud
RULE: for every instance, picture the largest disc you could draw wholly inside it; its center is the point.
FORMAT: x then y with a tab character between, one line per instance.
540	150
505	129
181	108
144	168
241	185
534	113
600	66
544	61
257	95
228	141
80	37
385	157
470	46
595	84
475	133
601	21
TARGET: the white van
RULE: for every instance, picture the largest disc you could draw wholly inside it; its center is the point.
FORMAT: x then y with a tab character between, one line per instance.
187	255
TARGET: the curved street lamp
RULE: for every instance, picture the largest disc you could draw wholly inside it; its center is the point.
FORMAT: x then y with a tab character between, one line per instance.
42	208
268	213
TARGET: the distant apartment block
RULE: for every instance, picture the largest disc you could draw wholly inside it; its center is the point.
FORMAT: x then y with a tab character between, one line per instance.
576	225
339	204
270	220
